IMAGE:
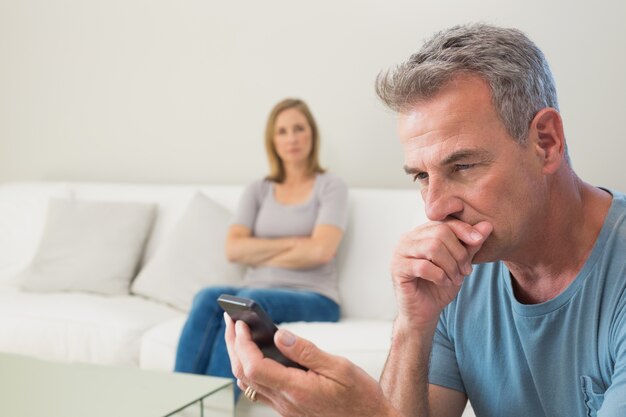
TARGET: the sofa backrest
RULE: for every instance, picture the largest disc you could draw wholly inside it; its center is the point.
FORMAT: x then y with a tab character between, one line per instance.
171	200
377	219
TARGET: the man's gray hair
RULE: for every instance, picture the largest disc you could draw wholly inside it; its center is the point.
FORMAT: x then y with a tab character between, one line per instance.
517	72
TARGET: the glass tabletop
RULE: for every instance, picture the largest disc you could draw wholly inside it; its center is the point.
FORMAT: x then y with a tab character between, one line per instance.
31	387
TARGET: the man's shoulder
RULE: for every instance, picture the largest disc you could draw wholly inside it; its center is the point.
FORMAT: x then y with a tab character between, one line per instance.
613	233
618	197
618	202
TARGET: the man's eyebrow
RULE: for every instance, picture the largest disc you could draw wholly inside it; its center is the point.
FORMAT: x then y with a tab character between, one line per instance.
410	170
462	154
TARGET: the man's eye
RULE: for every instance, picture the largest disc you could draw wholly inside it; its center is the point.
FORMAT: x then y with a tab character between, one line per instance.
463	167
420	176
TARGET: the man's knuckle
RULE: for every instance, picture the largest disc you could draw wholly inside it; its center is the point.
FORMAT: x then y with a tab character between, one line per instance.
237	370
251	370
431	248
441	275
344	366
421	270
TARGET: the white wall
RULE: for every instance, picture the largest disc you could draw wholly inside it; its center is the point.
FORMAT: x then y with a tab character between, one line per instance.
177	91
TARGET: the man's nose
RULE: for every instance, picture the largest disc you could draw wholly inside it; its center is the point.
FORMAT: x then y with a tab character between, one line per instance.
441	201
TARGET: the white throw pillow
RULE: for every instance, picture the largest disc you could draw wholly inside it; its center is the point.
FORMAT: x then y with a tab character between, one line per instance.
23	209
89	246
190	257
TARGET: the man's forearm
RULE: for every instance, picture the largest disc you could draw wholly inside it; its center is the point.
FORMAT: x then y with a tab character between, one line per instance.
405	376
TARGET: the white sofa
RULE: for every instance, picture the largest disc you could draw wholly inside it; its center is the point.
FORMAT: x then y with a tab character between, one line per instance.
137	331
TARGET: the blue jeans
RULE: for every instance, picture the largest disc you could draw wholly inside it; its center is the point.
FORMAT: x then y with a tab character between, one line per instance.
202	349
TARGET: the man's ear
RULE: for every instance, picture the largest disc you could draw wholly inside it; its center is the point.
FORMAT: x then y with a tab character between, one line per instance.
548	138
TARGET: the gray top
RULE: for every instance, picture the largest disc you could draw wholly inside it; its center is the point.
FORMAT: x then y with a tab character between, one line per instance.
267	218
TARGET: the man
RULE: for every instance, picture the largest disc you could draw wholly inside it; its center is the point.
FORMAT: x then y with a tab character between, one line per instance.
537	326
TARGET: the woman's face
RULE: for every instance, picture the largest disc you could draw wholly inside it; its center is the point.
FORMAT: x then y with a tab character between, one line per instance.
292	137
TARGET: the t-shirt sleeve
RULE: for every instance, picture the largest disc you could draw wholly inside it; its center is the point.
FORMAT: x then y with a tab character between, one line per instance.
444	368
614	401
249	204
333	208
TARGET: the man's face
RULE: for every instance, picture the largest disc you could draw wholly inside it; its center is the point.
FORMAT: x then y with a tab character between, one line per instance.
470	168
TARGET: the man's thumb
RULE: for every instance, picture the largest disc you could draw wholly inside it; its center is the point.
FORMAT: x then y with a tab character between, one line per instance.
485	229
300	350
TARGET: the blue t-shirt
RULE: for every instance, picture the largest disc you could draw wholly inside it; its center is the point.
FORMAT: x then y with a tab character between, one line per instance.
565	357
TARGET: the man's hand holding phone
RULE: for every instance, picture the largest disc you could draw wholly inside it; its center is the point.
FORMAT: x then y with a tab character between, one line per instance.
332	386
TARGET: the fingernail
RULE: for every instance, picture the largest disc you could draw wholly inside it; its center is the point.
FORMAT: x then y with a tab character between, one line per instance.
476	236
286	338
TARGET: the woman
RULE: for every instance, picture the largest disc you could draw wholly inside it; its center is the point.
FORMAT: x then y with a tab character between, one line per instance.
286	231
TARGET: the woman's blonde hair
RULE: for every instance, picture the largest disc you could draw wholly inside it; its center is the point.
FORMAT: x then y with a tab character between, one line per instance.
277	168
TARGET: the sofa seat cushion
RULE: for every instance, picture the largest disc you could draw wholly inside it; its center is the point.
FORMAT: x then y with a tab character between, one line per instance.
365	342
158	346
77	326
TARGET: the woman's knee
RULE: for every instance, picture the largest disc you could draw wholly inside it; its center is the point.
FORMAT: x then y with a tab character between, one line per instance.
206	298
262	296
251	293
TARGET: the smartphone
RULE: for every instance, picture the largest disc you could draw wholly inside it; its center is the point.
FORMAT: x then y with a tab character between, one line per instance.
261	325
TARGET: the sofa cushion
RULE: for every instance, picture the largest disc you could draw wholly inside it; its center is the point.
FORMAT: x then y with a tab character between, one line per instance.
377	220
77	326
23	209
190	257
89	246
172	201
365	342
158	345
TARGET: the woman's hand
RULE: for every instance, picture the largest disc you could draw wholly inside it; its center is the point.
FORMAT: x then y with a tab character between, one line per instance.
318	249
293	252
243	248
